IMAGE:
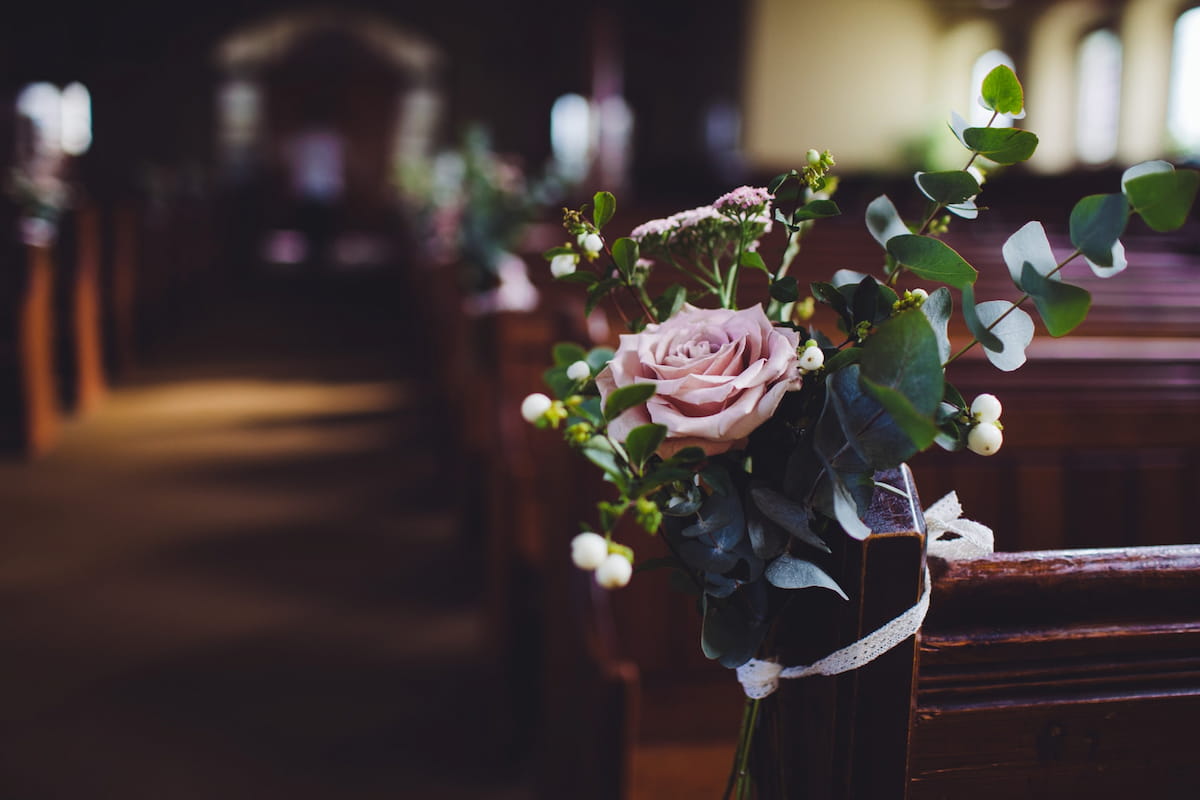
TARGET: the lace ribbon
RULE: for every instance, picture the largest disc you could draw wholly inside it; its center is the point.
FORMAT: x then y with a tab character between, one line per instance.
950	537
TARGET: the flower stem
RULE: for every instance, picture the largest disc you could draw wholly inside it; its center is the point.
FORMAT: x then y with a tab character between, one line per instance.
739	778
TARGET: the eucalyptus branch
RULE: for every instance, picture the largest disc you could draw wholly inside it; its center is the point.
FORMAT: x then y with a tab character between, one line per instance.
1015	305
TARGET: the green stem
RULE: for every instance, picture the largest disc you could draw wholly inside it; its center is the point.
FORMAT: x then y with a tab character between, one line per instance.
739	781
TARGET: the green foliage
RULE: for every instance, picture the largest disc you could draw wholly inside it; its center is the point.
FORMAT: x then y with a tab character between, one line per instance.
625	254
604	205
625	398
947	188
643	441
789	572
1097	222
1002	145
1163	199
1061	305
567	353
932	259
1002	91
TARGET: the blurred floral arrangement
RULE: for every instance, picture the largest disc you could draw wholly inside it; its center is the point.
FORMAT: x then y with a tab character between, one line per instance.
471	207
747	439
41	196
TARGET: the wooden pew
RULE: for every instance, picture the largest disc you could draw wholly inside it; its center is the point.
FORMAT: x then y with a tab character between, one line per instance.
33	414
1069	673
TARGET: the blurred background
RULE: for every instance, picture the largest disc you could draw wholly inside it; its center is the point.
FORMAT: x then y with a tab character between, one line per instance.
271	289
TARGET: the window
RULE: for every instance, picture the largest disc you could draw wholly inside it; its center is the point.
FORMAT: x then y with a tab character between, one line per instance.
1098	97
1183	115
978	115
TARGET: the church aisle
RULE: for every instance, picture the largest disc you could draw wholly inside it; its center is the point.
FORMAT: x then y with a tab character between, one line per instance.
242	577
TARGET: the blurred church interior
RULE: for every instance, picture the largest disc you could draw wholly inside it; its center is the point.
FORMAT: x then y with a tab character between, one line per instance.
273	292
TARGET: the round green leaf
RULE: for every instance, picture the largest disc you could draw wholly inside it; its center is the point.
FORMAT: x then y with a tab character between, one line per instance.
1163	199
1097	221
933	259
883	220
1061	305
1118	263
1014	329
1029	245
949	188
1002	91
1002	145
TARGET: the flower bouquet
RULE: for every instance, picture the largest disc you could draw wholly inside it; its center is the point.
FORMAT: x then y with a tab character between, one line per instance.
748	440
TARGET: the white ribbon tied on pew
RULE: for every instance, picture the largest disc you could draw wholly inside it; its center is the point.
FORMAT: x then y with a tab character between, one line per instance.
949	537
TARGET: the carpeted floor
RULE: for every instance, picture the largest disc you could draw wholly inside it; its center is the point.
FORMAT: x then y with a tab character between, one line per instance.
242	576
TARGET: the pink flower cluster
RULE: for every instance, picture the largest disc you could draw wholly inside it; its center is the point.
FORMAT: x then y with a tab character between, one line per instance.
744	198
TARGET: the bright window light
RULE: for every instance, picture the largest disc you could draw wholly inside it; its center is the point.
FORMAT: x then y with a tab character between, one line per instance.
1183	116
1098	97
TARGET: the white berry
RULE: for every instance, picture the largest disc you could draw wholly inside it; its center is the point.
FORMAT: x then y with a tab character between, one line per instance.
579	371
812	358
920	293
588	550
563	264
591	243
986	408
985	439
534	406
614	572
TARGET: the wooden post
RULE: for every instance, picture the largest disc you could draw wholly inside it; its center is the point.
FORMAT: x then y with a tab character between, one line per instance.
41	416
89	382
847	736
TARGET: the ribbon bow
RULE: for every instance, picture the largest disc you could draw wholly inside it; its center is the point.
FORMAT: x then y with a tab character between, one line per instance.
968	540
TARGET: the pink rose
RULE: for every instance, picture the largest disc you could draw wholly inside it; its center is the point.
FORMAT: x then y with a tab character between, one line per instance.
718	375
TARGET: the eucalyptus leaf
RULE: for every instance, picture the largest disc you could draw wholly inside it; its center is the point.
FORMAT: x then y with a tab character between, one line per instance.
932	259
959	126
1097	222
703	555
1145	168
1002	145
604	205
789	572
976	326
938	308
1163	199
845	509
863	425
884	221
720	522
1012	326
1118	265
1002	91
918	427
966	209
1029	245
1061	305
643	440
625	398
793	517
947	188
903	355
767	538
727	636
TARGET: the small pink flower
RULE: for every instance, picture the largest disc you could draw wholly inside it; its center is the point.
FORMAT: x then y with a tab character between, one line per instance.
655	227
743	198
718	374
